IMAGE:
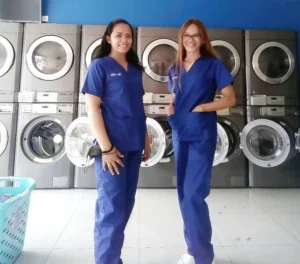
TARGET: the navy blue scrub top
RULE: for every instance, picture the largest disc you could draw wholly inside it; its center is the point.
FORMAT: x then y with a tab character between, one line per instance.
122	108
198	86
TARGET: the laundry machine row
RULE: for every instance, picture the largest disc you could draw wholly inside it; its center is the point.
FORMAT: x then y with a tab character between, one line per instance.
51	59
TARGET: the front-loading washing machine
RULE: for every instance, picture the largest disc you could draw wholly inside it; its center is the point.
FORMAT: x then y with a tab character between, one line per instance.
8	124
270	141
228	45
157	48
271	72
50	67
40	139
230	168
159	170
90	41
11	38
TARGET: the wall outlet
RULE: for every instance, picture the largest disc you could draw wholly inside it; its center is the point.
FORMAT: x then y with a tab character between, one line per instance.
45	18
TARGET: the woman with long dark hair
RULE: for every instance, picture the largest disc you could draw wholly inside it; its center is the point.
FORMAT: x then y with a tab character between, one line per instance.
193	80
114	95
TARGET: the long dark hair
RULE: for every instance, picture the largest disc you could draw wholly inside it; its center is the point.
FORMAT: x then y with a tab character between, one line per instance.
105	48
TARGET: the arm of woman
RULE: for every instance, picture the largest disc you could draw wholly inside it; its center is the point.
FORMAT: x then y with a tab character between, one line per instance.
227	100
224	81
97	122
112	158
94	90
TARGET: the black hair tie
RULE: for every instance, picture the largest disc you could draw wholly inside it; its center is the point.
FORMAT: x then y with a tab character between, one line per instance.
107	151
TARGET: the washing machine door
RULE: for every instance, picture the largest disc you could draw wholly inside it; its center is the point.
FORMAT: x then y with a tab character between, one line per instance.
169	151
79	138
7	56
158	57
222	145
273	62
298	140
3	138
157	139
91	52
49	58
268	143
43	139
228	54
233	134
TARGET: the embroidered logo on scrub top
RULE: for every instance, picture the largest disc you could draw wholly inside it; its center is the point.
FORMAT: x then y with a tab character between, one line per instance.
116	74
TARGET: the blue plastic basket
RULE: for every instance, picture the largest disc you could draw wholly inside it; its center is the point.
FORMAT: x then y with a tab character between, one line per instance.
13	217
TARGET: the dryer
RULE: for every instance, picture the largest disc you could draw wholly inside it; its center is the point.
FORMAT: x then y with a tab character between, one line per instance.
11	37
159	171
271	72
270	141
91	40
229	45
51	58
230	164
157	48
40	136
8	124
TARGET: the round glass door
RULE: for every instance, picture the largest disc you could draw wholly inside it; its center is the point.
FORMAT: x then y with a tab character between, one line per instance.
228	54
91	52
50	58
298	140
43	140
265	143
3	138
222	145
79	139
169	151
158	57
157	142
7	56
273	62
233	134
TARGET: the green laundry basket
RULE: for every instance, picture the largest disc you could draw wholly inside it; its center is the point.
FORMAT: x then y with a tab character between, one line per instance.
13	217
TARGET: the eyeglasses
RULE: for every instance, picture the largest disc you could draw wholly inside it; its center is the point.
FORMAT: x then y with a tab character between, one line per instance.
193	37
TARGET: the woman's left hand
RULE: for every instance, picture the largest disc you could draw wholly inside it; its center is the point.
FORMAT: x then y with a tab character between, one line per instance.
147	149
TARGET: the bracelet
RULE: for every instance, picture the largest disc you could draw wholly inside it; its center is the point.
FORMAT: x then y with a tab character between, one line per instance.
110	153
107	151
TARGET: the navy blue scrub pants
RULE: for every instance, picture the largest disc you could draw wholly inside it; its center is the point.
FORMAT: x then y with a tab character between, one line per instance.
194	161
116	198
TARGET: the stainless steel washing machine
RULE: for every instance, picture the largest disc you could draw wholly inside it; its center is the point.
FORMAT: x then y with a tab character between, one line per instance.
11	38
8	125
230	164
79	138
270	141
271	72
40	136
159	170
157	48
51	58
91	39
229	45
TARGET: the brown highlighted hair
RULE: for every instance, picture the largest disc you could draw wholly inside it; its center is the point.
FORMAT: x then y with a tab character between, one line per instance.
206	48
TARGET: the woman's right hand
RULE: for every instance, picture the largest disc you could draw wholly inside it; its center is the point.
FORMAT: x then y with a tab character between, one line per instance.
111	160
171	109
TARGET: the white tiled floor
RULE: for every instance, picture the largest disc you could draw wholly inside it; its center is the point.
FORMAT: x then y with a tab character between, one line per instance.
250	226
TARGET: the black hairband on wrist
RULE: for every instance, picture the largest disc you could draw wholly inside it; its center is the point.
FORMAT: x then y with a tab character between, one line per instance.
107	151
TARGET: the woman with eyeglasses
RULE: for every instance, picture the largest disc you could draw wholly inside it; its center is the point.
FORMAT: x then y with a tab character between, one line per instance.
193	80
